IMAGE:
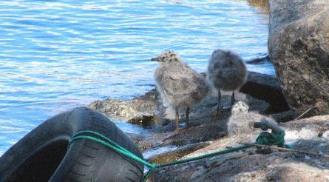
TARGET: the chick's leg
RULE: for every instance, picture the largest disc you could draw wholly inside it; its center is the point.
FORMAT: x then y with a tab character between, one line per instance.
187	115
177	119
219	104
232	99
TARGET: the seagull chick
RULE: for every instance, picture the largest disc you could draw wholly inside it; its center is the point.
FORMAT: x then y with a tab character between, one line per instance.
178	84
227	72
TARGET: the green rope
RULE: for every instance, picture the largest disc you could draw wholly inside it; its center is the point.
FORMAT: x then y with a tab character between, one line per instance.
220	152
264	138
110	144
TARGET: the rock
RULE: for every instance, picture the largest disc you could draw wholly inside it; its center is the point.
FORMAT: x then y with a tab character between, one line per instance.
299	49
178	153
308	134
145	120
260	60
261	4
141	141
149	141
136	109
248	165
321	121
267	88
284	116
202	133
296	172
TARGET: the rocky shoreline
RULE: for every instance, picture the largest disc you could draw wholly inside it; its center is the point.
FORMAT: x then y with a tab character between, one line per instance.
298	102
209	133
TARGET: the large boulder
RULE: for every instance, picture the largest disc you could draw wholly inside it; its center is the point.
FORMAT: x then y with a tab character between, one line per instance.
299	49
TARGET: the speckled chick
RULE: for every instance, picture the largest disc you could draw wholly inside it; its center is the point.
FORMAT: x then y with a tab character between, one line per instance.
178	84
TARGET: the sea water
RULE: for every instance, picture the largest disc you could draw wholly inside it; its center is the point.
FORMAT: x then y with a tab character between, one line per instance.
59	54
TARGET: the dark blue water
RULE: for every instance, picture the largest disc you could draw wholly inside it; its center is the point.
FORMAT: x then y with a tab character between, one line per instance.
59	54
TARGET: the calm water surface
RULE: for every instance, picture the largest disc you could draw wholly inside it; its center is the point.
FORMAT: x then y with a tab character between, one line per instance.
59	54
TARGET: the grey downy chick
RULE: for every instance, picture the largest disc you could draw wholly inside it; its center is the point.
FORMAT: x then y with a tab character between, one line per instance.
178	84
227	72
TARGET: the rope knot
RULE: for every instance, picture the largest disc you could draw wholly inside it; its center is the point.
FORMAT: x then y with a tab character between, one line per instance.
271	138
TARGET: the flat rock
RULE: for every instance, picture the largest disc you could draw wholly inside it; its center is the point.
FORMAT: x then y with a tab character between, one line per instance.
138	107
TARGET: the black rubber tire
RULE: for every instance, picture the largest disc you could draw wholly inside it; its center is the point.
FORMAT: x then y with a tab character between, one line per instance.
44	153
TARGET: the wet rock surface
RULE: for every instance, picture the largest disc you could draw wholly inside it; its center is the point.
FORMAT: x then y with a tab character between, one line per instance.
259	60
178	153
134	110
299	49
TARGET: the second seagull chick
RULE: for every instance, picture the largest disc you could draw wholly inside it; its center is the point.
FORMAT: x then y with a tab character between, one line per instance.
227	72
178	84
